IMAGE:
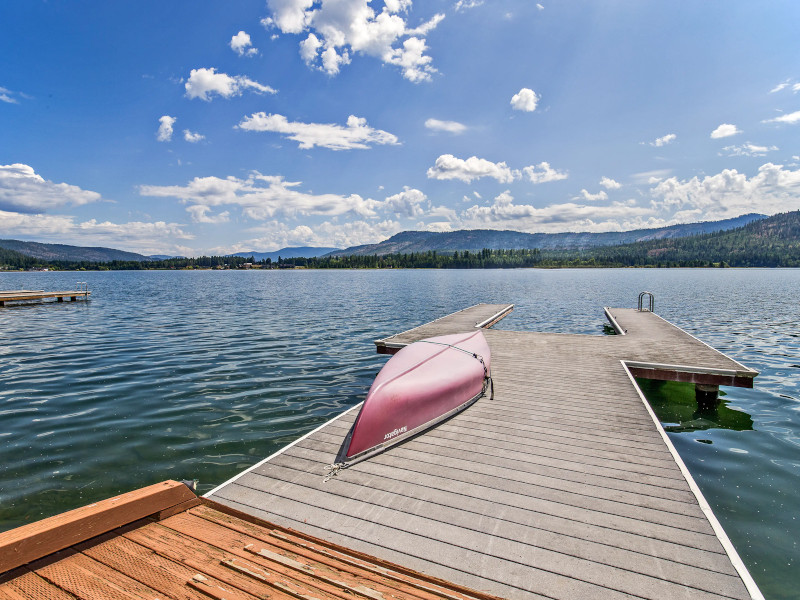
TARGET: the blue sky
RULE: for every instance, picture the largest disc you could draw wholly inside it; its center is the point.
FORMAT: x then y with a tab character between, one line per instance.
213	127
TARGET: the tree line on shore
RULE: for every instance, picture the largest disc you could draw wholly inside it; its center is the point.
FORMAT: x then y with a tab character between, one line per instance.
772	242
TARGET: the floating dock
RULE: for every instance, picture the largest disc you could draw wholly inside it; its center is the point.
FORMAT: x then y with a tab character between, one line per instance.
563	486
16	296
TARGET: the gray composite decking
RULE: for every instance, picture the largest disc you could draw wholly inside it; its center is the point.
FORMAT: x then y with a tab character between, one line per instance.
563	486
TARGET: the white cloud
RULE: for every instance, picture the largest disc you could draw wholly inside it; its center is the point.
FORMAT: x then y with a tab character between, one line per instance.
505	214
790	118
7	96
525	100
339	29
262	197
407	203
199	213
355	134
448	166
136	236
729	193
165	128
779	87
242	45
274	235
724	130
540	7
600	196
204	83
544	173
748	149
467	4
664	140
23	190
192	137
650	176
610	184
448	126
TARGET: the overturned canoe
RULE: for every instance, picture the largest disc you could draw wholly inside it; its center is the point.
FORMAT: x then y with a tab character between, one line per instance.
423	384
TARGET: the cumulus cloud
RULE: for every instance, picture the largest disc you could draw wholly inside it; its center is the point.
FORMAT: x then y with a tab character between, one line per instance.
200	213
790	118
664	140
724	130
448	166
504	213
408	203
165	128
23	190
729	193
448	126
748	149
543	173
274	235
241	44
204	83
610	184
338	30
193	137
137	236
261	197
355	134
600	196
525	100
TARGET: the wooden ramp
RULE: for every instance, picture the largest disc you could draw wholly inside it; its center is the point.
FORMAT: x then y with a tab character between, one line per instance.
564	486
162	542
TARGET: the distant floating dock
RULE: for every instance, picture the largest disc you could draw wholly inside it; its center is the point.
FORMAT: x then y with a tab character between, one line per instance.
17	296
564	486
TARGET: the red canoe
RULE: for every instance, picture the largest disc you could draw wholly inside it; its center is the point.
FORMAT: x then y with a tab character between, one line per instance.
423	384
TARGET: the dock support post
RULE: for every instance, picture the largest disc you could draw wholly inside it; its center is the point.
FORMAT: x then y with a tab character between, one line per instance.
60	298
707	396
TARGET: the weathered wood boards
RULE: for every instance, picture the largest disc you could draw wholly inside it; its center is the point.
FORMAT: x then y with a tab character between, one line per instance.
562	487
36	540
206	550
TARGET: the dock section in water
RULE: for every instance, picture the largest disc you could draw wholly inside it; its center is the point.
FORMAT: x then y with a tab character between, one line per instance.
17	296
563	486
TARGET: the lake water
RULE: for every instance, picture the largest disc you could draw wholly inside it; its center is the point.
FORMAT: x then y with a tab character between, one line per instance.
197	375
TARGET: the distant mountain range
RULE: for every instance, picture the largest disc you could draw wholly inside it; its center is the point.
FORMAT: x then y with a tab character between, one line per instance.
293	252
478	239
63	252
410	241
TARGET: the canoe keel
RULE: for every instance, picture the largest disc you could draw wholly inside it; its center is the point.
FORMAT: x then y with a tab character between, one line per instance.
422	385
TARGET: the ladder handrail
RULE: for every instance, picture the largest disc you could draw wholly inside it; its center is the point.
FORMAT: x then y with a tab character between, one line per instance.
652	299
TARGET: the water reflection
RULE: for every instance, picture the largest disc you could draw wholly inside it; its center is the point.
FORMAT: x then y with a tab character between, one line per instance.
676	407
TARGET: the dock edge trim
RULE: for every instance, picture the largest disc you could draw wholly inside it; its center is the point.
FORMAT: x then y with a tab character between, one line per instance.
279	452
727	545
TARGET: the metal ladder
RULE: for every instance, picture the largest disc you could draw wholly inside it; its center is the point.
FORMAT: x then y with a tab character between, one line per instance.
641	302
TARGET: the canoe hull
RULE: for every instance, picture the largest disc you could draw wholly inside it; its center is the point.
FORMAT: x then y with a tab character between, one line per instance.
423	384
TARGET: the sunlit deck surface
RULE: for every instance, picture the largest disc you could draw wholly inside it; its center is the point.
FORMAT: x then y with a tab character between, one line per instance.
563	486
190	548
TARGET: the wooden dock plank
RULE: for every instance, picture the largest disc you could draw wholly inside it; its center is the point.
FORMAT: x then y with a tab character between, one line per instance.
562	486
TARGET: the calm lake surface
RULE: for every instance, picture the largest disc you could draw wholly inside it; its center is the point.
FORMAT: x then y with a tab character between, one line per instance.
198	375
